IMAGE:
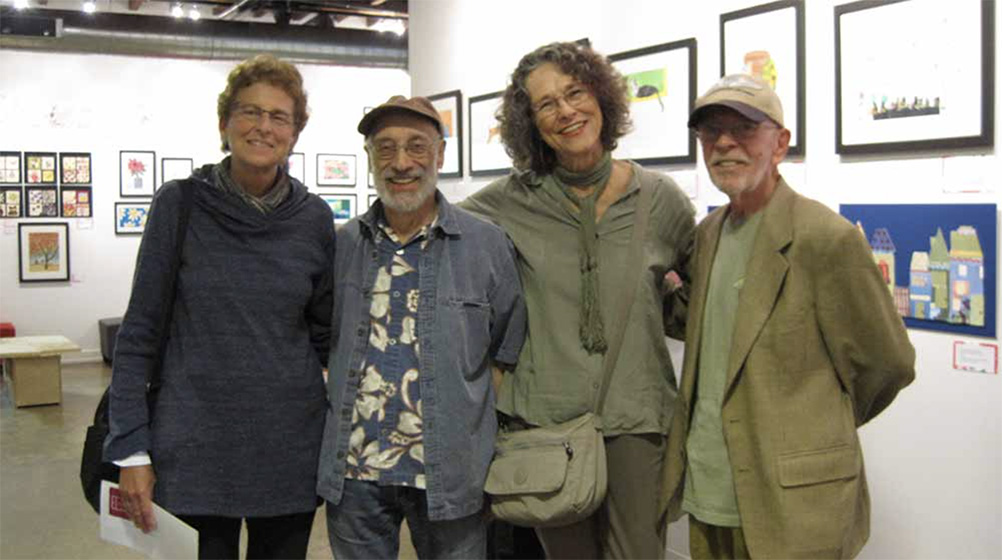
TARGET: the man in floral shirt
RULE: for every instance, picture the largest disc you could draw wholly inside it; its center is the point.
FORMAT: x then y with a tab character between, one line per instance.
427	299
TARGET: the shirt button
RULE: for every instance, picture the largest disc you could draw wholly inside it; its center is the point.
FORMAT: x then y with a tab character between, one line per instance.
396	294
594	385
392	342
400	251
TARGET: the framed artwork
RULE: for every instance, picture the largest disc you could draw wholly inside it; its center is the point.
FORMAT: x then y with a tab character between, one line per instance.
74	168
42	202
939	261
767	41
172	168
130	217
297	166
335	170
10	202
43	252
487	155
450	109
137	173
927	85
372	181
40	168
661	80
10	168
343	206
78	202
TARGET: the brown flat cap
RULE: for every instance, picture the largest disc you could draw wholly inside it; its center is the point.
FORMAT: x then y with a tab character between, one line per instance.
746	94
398	103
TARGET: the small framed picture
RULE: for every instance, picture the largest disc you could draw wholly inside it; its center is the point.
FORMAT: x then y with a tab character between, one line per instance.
74	168
335	170
78	202
137	174
40	168
43	252
487	154
10	168
343	206
172	168
372	181
42	202
297	166
130	217
10	202
450	109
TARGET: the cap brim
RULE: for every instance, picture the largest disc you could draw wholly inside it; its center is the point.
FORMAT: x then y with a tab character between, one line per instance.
369	121
747	111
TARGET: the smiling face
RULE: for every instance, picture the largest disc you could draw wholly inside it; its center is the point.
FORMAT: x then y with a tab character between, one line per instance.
259	144
567	116
743	159
405	154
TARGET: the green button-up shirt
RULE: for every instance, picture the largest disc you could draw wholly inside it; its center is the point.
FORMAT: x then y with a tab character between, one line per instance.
556	379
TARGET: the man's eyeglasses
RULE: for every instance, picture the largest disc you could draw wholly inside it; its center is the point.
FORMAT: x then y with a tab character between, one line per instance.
254	114
740	132
575	96
417	149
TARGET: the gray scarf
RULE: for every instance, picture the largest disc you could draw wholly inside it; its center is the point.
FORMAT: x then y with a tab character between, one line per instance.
592	331
264	204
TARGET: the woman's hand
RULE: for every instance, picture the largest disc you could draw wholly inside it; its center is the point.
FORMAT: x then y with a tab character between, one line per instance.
136	486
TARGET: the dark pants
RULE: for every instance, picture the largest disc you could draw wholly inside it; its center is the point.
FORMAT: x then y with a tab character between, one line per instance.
710	542
284	536
366	524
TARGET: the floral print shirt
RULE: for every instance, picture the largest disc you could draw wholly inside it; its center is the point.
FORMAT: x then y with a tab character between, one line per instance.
387	439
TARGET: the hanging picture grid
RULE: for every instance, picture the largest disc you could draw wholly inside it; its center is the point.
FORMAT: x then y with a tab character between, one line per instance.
41	202
10	168
40	168
74	168
77	202
10	202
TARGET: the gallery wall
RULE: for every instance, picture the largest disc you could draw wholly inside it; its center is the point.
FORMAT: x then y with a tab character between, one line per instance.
103	104
934	458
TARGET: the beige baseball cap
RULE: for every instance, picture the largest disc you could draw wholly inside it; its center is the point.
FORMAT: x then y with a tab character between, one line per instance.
398	103
746	94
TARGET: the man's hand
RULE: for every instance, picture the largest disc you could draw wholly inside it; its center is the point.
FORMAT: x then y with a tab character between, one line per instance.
136	486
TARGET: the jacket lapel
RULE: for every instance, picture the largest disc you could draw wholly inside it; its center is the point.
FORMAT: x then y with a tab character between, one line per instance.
767	267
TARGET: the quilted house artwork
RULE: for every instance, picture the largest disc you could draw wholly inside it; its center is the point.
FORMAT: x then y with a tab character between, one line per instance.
938	270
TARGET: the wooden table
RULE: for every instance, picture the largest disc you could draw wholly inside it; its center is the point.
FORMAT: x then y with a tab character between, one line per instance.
35	373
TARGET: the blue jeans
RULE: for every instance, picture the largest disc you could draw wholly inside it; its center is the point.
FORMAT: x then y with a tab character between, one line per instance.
366	524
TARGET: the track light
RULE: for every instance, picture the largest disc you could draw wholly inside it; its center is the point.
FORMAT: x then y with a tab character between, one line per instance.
89	7
177	11
193	14
20	4
391	25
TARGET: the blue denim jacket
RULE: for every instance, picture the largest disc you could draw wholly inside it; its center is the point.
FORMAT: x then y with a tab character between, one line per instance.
471	311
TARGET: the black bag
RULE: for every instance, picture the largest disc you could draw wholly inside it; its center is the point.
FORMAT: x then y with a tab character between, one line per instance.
93	469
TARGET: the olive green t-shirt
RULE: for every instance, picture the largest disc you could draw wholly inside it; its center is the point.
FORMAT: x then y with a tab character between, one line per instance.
709	483
556	379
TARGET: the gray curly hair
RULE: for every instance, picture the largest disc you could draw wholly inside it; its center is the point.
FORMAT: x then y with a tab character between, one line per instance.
519	134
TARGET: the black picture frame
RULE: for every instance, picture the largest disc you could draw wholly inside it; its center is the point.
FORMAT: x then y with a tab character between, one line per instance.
940	128
11	168
126	225
79	205
757	17
25	250
328	176
172	168
72	170
133	166
11	207
41	201
450	109
485	155
40	168
659	138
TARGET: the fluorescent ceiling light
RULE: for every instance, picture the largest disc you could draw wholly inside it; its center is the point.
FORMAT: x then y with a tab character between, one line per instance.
177	11
89	7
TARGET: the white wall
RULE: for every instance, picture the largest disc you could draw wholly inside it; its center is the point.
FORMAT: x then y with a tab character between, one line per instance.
934	458
102	104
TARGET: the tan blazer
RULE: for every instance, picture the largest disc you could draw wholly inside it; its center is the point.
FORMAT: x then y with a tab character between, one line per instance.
818	350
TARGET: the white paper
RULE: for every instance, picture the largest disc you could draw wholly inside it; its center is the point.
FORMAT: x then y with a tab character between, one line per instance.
976	357
172	538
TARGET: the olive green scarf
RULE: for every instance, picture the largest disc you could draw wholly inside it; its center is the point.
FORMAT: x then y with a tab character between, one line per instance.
591	331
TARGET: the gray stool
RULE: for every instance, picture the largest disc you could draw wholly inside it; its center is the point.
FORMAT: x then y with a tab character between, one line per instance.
108	330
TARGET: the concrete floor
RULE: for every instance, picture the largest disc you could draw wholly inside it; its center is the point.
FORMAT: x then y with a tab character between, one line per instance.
43	513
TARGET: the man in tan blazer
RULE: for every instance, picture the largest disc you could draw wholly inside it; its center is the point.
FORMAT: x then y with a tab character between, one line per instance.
792	343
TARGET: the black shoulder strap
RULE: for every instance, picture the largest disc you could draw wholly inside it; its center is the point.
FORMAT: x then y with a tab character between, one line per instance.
187	201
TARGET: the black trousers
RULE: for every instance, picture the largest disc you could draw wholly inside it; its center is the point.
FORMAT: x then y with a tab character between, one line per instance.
284	536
